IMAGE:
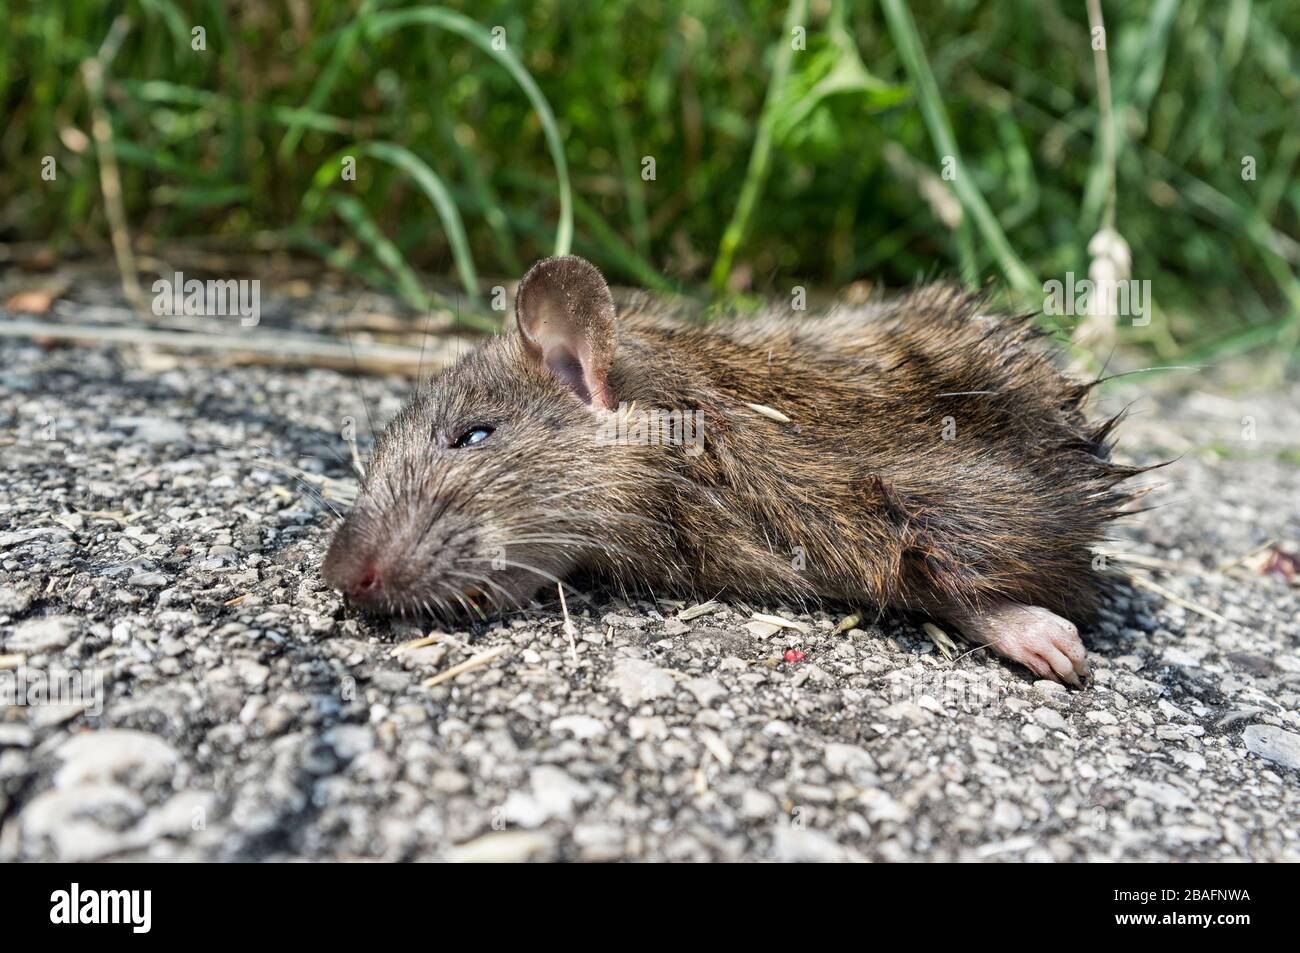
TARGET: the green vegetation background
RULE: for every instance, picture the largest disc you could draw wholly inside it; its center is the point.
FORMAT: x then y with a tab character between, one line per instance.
771	166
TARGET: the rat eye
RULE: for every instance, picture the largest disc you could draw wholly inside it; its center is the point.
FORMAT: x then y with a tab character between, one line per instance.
472	436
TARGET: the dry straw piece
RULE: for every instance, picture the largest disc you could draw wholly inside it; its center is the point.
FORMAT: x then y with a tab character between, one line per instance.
781	623
413	644
942	641
570	630
1178	600
694	612
478	661
769	413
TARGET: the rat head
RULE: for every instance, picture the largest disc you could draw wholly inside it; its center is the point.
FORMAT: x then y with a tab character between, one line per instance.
493	481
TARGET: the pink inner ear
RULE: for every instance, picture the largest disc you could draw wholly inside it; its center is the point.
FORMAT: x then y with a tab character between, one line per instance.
566	318
566	365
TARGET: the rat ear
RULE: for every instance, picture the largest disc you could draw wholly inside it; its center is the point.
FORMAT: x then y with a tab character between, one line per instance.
566	319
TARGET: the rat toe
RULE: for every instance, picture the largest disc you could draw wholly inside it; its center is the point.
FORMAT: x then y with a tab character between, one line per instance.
1038	639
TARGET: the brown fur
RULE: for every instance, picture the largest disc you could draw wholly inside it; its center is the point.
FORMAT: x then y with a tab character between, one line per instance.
859	498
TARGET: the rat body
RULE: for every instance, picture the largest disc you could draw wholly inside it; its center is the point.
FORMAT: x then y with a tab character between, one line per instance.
918	457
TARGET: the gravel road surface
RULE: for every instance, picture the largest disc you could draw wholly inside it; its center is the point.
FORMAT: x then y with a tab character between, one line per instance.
161	530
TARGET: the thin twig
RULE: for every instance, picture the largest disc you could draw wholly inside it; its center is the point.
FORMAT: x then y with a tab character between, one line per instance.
1151	562
1177	599
266	347
1234	563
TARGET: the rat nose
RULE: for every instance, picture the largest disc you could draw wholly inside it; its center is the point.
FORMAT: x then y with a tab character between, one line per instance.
366	584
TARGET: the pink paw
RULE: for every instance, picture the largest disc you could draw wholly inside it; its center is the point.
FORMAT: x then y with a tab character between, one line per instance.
1040	640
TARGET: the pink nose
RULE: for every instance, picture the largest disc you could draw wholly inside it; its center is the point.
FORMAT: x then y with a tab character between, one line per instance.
366	584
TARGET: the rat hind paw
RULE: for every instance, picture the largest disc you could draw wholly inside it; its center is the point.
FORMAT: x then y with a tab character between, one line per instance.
1040	640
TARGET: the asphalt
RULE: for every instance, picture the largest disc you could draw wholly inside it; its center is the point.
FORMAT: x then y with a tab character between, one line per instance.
162	524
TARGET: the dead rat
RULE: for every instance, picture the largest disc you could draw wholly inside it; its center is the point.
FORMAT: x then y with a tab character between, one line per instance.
921	457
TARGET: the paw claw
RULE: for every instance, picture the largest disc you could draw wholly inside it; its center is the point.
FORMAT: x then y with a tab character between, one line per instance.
1040	640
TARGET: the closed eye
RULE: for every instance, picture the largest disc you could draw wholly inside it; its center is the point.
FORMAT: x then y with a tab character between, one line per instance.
472	436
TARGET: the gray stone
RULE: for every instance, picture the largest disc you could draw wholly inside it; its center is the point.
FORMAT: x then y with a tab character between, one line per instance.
349	741
46	634
1275	744
554	795
503	847
757	805
148	580
1051	719
637	681
115	755
583	727
848	760
804	845
14	601
706	690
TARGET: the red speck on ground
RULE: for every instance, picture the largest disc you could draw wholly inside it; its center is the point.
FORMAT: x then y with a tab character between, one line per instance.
794	655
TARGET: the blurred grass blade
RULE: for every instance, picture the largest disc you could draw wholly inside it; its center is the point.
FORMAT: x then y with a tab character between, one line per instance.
392	259
477	34
485	197
622	256
161	91
830	70
761	155
342	259
437	193
350	209
172	16
1134	91
134	154
1150	63
201	196
903	29
325	82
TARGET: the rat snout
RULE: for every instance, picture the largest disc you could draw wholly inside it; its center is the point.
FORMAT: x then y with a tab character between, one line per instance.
388	561
365	565
359	576
360	583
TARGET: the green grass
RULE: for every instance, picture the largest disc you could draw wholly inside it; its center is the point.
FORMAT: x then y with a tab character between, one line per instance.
774	166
